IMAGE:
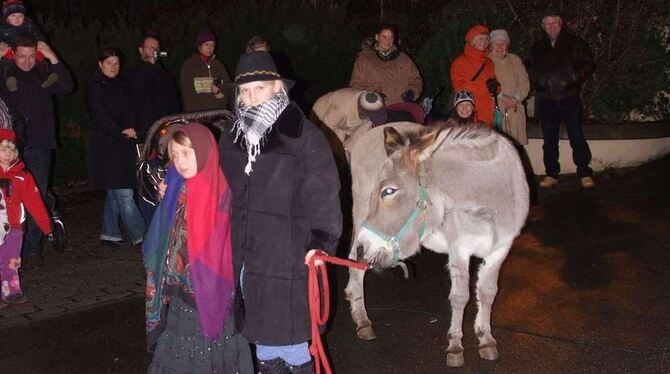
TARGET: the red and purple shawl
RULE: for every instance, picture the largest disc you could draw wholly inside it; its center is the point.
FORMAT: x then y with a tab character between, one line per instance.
208	208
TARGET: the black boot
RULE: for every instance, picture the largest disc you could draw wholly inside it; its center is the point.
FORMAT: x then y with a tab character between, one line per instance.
306	368
274	366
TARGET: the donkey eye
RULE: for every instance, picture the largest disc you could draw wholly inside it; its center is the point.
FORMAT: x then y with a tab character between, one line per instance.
388	191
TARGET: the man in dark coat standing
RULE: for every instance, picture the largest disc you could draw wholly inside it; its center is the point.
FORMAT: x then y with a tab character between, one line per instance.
34	104
154	95
154	90
560	63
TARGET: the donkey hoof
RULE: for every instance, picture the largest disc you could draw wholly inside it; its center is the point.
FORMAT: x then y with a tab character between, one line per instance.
488	353
455	360
366	333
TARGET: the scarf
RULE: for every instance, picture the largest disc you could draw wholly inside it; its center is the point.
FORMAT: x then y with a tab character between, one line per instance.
254	122
208	206
391	54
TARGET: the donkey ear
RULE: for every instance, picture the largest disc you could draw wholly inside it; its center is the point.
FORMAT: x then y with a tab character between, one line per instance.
429	143
393	141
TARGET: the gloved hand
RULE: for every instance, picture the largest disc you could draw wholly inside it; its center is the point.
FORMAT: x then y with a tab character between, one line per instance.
493	86
407	96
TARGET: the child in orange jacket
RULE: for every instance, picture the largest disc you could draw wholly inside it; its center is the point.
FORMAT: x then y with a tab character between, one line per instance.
19	190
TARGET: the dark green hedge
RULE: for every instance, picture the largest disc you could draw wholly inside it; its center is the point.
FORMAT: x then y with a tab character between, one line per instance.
322	40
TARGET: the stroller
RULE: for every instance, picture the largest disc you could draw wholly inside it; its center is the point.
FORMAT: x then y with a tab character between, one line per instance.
152	155
58	238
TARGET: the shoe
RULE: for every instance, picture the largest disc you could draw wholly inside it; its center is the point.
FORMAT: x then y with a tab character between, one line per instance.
587	182
306	368
112	243
51	79
12	84
548	182
273	366
32	262
16	299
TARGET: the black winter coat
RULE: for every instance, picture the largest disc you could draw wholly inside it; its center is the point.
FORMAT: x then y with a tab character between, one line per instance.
288	205
559	71
111	156
33	106
154	92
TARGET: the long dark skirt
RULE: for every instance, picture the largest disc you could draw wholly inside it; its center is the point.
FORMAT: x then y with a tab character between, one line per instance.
181	348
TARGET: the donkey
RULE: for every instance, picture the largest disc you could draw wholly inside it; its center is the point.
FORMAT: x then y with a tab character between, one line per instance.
464	191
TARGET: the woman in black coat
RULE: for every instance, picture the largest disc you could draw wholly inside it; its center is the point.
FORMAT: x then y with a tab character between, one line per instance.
286	203
111	149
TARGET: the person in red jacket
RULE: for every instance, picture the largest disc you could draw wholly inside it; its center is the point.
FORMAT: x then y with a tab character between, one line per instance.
20	193
472	70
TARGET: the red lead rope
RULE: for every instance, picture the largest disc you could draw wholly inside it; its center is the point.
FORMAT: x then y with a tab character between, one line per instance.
318	315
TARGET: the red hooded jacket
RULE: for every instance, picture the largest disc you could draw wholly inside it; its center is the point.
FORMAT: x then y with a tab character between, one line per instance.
23	191
465	66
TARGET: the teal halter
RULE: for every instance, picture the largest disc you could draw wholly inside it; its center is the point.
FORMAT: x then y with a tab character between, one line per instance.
420	208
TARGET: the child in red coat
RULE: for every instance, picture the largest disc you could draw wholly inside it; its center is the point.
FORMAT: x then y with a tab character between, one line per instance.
19	190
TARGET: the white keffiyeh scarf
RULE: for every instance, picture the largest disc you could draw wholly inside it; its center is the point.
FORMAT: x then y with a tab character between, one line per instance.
254	122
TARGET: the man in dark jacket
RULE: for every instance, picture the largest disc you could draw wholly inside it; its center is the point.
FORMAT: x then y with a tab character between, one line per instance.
154	95
154	90
560	63
34	104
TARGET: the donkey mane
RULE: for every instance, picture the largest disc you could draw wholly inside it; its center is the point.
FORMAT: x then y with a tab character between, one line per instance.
474	135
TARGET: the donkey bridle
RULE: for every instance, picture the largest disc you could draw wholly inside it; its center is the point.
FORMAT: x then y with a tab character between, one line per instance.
419	209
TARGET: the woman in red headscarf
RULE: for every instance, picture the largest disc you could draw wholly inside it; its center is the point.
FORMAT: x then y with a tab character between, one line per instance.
472	69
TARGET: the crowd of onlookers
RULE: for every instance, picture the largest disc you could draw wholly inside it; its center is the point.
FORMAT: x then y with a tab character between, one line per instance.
225	248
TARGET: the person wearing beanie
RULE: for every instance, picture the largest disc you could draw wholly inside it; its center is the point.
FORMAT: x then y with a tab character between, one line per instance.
285	205
15	23
464	108
20	193
513	78
560	64
472	70
203	79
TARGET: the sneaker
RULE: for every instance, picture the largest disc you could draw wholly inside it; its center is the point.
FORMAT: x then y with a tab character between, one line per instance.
587	182
51	79
12	84
548	182
112	243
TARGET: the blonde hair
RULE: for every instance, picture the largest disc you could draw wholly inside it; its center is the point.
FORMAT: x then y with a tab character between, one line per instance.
11	146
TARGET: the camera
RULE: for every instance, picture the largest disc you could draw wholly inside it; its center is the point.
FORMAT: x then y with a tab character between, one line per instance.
159	54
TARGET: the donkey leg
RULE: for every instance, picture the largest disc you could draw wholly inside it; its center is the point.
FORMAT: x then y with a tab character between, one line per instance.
354	293
458	297
487	288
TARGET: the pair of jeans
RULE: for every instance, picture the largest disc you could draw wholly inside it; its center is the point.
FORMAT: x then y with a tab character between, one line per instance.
119	204
39	164
552	112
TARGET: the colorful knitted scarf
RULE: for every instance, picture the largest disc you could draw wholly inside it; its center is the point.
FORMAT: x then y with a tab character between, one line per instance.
208	207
